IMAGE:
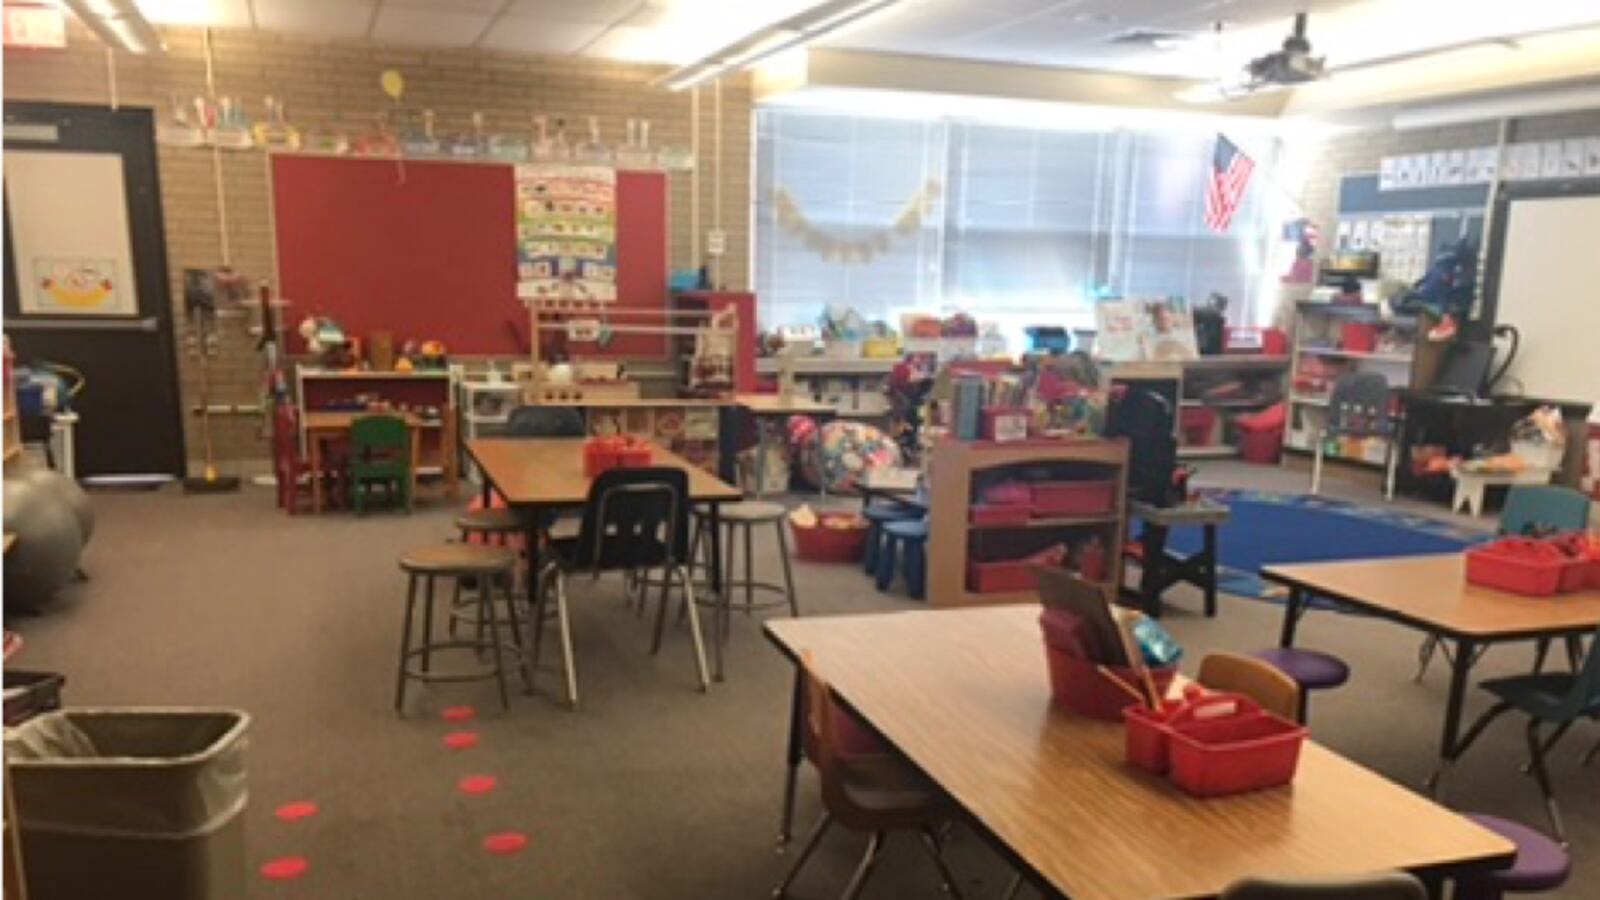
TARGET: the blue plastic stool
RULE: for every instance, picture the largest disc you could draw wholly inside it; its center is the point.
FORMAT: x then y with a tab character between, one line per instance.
913	535
877	517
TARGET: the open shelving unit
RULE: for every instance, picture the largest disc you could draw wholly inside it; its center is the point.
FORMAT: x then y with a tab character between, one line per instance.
1317	334
853	386
958	473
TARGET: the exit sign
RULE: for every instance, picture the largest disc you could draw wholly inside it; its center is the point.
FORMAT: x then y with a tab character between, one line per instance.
37	27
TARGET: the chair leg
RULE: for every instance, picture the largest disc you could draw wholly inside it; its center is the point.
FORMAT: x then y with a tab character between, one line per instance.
405	646
886	562
486	610
947	881
869	861
537	613
1425	656
915	564
694	624
869	555
427	626
565	619
1536	751
1541	650
1472	735
749	569
1575	652
815	838
1390	460
1012	887
524	664
661	608
788	571
1316	465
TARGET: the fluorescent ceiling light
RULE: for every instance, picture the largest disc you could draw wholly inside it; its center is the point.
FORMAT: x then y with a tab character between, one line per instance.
117	22
1502	107
794	31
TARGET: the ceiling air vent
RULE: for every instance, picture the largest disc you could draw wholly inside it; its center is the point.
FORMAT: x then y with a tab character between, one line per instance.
1148	37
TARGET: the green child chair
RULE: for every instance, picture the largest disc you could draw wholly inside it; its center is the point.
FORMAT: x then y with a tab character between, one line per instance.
380	455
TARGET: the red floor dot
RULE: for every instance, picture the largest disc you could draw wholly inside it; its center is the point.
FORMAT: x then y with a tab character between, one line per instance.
476	784
293	812
284	868
458	714
505	843
461	740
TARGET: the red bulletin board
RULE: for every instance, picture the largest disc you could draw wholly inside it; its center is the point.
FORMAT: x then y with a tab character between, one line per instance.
427	250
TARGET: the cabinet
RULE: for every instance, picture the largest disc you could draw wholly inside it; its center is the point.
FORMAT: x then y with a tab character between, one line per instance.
1330	340
962	473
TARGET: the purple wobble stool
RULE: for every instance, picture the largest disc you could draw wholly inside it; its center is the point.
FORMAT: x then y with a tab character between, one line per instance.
1311	670
1541	864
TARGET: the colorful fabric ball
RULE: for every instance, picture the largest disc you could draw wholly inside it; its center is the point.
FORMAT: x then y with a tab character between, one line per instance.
838	454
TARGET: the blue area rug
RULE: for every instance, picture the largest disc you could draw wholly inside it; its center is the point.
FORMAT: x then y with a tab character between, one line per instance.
1280	528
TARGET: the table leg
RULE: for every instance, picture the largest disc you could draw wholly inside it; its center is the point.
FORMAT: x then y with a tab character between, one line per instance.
1208	556
487	494
314	454
727	435
1152	569
792	756
1460	670
1293	608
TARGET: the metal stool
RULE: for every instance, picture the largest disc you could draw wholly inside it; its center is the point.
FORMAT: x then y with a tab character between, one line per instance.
488	567
745	515
493	527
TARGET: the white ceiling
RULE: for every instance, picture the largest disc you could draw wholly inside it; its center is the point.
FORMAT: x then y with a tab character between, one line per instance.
1069	33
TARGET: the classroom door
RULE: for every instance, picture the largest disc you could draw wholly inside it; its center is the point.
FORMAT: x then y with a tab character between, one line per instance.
86	279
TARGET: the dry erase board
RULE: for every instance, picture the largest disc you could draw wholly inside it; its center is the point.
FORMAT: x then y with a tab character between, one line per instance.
426	249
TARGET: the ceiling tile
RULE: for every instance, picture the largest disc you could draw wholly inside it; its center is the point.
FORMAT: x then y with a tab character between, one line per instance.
527	35
215	13
603	11
488	7
322	18
428	27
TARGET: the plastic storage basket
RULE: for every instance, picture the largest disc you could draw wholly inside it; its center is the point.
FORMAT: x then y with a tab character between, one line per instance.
1249	750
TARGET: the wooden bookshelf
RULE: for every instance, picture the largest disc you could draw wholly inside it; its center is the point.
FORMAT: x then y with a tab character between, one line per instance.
955	470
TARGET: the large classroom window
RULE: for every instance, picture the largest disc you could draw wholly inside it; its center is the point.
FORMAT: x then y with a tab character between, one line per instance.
1021	225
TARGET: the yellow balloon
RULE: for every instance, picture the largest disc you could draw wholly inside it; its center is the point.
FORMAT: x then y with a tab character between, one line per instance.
393	84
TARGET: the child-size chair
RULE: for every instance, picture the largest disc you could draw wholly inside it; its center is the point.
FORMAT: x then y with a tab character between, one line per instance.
380	455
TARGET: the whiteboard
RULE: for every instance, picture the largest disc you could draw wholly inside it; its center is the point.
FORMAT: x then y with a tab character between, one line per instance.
1550	290
69	233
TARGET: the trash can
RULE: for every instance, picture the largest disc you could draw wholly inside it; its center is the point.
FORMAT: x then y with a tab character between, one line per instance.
135	803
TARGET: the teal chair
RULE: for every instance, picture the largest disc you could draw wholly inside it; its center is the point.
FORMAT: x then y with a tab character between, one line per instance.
380	457
1557	698
1531	510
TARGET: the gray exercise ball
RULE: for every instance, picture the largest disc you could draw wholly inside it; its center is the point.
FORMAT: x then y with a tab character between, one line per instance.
49	542
67	491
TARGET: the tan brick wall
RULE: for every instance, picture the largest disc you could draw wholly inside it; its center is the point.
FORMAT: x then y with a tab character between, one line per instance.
334	86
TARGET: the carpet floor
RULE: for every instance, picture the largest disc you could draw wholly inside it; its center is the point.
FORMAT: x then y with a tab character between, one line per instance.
651	790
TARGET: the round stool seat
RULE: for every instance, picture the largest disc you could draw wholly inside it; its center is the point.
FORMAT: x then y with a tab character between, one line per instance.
1541	864
1310	669
752	511
457	559
491	521
888	512
907	529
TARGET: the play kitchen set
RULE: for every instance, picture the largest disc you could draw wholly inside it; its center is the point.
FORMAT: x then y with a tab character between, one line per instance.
1118	665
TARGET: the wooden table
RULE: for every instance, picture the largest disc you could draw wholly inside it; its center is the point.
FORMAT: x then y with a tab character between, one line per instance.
964	696
545	475
1431	594
322	426
1160	568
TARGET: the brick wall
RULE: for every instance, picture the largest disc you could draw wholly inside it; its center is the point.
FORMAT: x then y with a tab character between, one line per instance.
1359	152
334	86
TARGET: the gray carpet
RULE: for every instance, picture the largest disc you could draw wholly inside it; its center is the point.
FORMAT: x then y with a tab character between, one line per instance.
651	790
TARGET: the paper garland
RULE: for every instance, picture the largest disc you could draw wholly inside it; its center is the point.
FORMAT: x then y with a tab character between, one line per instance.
792	218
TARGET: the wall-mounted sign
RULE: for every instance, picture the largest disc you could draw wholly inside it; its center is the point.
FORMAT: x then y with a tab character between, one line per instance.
35	27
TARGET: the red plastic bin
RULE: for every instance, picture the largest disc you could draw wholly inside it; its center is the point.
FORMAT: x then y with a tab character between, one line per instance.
1076	685
1001	514
1250	750
1494	568
1198	423
823	543
1146	736
1001	577
1073	498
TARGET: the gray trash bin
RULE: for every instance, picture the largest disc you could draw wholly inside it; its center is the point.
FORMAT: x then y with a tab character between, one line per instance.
136	803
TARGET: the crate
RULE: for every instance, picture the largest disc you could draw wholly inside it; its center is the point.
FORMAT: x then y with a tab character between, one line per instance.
1145	738
1250	750
1077	686
998	514
1073	498
1001	577
830	544
1492	567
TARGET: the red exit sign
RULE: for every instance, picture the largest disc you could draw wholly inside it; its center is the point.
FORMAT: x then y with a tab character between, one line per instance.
39	27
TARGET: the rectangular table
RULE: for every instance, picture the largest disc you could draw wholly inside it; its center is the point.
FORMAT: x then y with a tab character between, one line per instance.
537	475
321	426
1431	594
964	696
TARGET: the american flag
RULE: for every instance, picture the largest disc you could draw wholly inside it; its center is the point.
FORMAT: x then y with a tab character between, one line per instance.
1230	175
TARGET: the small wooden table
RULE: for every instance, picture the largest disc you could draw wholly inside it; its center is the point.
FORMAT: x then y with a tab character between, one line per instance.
1160	568
322	426
964	696
1431	594
538	475
1470	485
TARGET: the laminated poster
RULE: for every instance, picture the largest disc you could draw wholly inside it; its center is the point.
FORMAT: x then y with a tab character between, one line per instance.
566	233
1145	330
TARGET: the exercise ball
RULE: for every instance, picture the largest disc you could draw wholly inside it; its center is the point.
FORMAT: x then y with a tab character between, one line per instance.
48	545
67	491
